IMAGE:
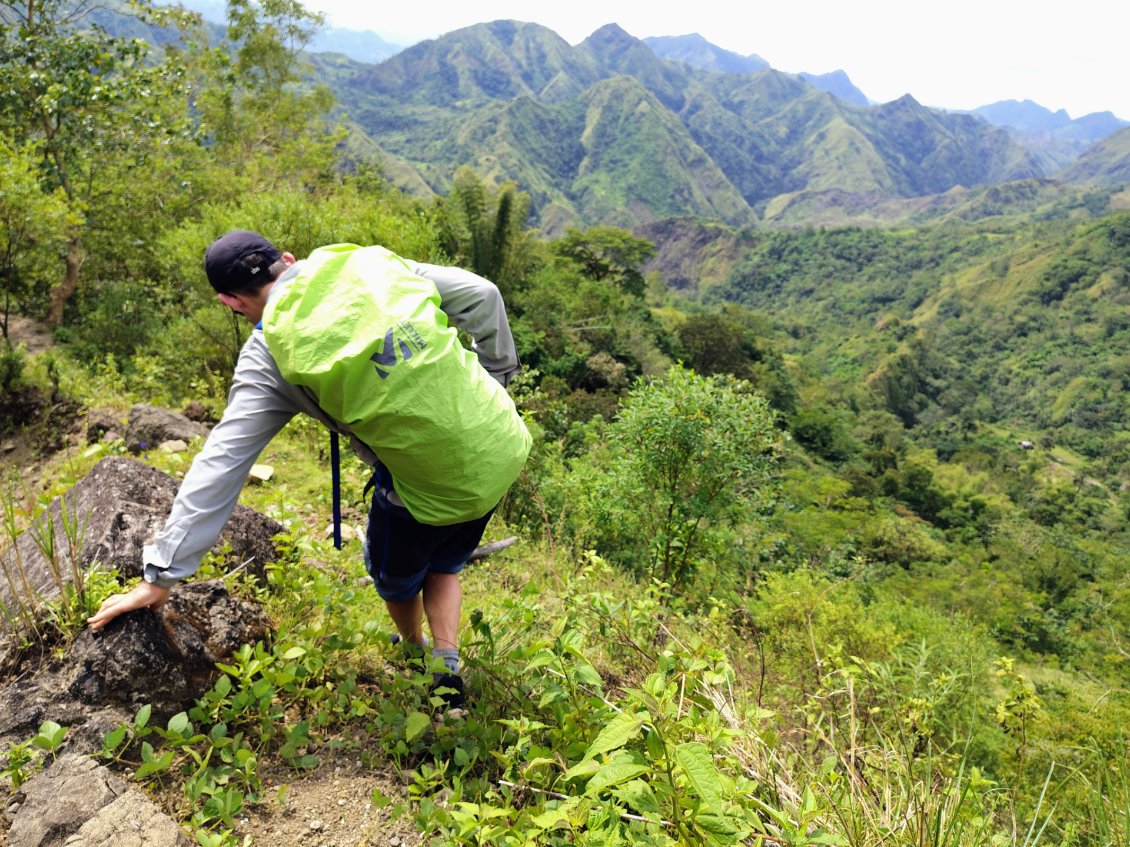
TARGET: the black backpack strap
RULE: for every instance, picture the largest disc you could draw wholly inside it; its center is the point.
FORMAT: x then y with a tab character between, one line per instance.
335	473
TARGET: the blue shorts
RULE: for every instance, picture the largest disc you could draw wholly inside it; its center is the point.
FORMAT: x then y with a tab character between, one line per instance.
400	551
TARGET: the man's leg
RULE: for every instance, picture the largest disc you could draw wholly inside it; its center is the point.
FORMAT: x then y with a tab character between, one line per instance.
442	598
408	615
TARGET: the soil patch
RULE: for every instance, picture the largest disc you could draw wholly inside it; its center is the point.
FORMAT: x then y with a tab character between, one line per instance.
35	336
331	806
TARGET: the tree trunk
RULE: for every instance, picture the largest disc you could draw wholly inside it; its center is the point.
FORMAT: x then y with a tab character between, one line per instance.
63	292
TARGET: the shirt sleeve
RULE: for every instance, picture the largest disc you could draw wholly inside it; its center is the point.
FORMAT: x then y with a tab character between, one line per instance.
259	405
474	305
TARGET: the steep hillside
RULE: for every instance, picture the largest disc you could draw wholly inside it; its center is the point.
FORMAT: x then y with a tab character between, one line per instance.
1029	199
494	61
929	151
1107	163
692	255
1019	325
641	163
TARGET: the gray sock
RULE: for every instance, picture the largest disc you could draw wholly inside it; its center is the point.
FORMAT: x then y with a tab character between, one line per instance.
450	656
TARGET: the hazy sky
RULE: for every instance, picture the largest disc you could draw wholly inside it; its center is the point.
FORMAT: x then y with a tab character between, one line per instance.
958	54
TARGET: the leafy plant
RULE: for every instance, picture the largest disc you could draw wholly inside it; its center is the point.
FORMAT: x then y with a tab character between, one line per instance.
701	446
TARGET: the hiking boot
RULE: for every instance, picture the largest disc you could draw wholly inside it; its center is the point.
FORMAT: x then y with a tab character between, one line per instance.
449	688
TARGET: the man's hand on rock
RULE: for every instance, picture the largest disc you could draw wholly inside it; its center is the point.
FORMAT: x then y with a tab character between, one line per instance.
143	595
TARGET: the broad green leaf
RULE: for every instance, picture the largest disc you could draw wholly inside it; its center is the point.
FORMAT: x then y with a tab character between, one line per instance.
551	695
155	765
585	767
537	762
540	659
639	796
698	765
417	723
614	774
618	732
142	716
178	723
586	674
550	819
719	825
50	735
113	739
828	838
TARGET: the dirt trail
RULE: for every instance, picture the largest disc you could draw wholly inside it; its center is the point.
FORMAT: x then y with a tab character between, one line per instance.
328	807
36	337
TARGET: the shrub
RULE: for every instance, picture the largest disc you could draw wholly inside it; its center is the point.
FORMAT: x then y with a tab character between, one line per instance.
687	458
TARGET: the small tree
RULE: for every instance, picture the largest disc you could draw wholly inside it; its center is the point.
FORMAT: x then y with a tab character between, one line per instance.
34	228
685	459
266	127
608	252
92	104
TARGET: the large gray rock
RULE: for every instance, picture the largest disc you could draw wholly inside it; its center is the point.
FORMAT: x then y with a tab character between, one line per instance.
113	511
149	426
165	658
101	421
77	803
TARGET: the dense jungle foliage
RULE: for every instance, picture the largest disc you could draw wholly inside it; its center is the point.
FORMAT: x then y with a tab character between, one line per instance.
787	575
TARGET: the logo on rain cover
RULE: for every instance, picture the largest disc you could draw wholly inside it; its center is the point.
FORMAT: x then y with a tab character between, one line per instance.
402	336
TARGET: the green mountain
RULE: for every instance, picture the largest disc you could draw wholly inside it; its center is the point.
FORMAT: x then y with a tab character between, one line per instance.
609	132
1107	163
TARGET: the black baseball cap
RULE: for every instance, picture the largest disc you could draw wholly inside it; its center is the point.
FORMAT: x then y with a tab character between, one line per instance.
239	261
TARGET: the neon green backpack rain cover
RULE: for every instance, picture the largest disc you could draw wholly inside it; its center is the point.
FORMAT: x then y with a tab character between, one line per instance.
369	338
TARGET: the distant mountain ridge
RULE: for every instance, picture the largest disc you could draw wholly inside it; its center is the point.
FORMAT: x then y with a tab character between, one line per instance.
1055	136
696	51
359	45
609	132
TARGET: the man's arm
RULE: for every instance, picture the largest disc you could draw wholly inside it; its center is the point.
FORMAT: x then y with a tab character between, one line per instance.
474	305
259	405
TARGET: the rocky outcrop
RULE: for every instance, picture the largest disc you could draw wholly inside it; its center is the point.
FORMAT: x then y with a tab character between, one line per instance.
164	658
102	425
106	518
77	803
151	426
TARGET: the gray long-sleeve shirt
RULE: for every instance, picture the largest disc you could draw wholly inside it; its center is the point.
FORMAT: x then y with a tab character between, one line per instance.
261	402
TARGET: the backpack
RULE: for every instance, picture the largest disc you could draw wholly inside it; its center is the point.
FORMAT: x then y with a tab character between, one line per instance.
368	337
